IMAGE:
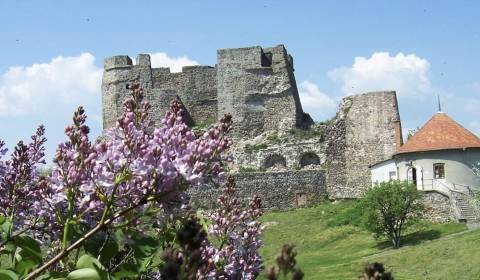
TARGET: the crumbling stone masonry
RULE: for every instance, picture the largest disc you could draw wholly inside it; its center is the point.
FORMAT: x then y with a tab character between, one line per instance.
279	190
279	152
367	130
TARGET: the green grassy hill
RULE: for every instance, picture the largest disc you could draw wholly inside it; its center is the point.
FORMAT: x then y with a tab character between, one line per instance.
331	245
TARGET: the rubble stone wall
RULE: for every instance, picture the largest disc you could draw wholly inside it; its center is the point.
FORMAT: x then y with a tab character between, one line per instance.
195	86
365	133
278	190
258	88
291	152
438	207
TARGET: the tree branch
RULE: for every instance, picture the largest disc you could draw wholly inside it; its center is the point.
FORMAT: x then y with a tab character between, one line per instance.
89	234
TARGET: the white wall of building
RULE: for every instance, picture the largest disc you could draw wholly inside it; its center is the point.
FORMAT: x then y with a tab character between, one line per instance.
384	171
458	167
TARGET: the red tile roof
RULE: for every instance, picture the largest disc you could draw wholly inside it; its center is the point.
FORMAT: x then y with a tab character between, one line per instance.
440	133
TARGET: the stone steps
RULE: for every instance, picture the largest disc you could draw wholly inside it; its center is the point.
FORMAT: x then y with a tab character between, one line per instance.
465	209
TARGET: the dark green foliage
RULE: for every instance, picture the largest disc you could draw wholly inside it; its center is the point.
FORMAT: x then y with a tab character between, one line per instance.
202	126
329	121
183	262
255	147
88	268
18	254
274	139
389	208
305	134
248	169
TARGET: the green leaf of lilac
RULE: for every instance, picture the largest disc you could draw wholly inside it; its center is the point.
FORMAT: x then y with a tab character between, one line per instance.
8	275
87	261
84	274
30	248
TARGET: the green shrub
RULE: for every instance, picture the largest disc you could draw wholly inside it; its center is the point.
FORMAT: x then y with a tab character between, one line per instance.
329	121
255	147
274	139
246	169
389	208
305	134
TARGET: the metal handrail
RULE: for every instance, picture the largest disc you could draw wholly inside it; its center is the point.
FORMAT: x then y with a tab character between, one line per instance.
439	186
447	185
451	190
469	189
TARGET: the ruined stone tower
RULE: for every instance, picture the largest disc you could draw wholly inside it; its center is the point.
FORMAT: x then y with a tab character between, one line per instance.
255	85
279	152
367	130
258	88
195	86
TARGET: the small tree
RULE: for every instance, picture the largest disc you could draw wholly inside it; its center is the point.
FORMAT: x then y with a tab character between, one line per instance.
389	207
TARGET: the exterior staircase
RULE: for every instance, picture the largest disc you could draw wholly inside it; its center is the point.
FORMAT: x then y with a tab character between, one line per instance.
464	202
465	209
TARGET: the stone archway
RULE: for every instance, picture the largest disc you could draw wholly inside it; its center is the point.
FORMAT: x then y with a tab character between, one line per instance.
309	159
276	162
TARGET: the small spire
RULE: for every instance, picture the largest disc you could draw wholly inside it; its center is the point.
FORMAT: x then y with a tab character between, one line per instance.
439	104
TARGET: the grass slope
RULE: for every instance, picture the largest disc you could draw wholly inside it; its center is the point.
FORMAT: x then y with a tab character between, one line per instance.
331	246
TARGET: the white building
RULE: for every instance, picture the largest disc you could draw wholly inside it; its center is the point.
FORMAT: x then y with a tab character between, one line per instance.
441	157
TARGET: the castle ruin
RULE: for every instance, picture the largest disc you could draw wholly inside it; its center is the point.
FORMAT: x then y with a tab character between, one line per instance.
279	152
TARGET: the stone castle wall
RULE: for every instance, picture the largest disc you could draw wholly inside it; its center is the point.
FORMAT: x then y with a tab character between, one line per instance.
366	132
278	190
195	86
120	71
257	86
290	156
438	207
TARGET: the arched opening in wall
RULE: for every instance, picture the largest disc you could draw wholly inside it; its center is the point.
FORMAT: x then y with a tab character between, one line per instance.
275	162
309	159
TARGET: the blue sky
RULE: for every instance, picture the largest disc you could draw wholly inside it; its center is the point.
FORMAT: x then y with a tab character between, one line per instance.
52	52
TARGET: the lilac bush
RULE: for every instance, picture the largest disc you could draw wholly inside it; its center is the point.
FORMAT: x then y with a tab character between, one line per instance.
112	191
238	232
21	185
230	252
136	166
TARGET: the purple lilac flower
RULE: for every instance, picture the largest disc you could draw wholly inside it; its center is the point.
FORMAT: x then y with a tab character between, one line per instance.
19	183
134	162
238	231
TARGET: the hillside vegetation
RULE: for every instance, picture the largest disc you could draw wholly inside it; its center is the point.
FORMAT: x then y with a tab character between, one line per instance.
331	244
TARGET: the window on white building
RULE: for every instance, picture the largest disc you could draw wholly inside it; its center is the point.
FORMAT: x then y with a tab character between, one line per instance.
439	170
392	175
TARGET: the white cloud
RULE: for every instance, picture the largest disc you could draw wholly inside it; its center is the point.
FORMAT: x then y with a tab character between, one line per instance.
406	74
161	59
71	80
48	93
314	101
46	86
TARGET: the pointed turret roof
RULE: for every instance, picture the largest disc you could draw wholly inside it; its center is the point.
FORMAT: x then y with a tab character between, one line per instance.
440	133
